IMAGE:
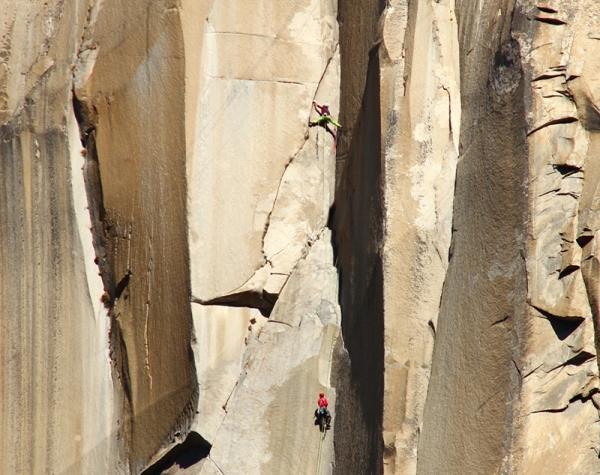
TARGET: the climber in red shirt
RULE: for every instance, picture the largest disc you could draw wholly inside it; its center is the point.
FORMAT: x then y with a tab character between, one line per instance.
323	402
323	411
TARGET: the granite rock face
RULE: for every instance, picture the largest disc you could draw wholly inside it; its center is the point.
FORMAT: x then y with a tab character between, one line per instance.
523	309
393	223
492	106
254	186
59	409
186	263
161	187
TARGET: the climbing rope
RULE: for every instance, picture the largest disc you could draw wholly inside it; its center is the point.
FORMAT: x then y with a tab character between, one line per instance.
332	298
319	457
318	143
320	454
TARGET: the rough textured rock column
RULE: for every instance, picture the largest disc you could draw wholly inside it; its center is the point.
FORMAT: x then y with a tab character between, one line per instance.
132	120
560	370
57	413
393	222
474	379
421	113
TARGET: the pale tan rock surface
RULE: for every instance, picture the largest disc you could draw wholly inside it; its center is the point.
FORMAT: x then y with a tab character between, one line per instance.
221	337
268	427
58	413
420	166
256	196
172	299
145	92
260	188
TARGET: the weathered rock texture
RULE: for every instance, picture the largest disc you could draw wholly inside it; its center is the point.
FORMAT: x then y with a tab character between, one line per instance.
133	127
499	92
515	335
393	225
58	411
185	263
140	125
560	368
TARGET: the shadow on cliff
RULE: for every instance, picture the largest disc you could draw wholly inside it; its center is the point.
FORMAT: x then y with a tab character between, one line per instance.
357	222
191	451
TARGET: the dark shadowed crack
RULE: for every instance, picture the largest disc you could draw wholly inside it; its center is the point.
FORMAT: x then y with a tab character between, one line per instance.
550	316
501	320
279	81
578	397
432	326
546	9
487	401
560	120
550	20
191	451
518	369
281	323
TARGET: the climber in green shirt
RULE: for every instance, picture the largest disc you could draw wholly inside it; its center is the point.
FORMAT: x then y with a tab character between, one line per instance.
325	119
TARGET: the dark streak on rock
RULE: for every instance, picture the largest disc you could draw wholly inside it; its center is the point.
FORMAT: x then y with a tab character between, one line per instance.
503	319
517	368
123	283
550	20
548	75
579	359
561	120
547	9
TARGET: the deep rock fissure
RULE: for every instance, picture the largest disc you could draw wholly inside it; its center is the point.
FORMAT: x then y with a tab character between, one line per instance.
185	454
